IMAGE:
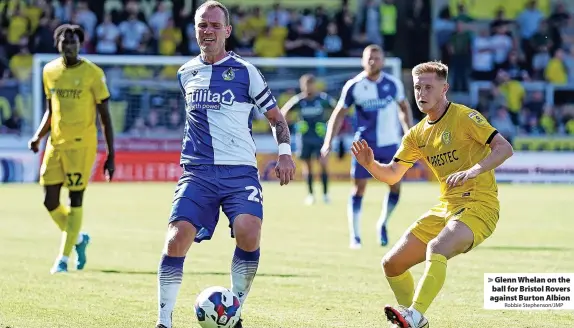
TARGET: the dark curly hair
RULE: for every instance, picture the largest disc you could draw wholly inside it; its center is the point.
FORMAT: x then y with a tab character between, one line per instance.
65	28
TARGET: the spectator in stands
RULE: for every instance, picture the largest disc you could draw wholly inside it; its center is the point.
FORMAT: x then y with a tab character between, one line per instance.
515	67
558	20
556	71
268	45
134	36
540	46
514	94
502	122
462	14
192	46
482	57
107	34
332	43
444	28
278	16
256	22
500	20
388	17
502	44
63	10
158	21
299	43
529	21
344	20
86	18
322	20
21	63
547	121
418	31
370	22
18	28
459	47
569	62
42	40
170	39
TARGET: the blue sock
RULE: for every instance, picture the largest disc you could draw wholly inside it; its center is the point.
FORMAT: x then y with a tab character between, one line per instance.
387	210
354	217
310	183
243	269
325	180
170	274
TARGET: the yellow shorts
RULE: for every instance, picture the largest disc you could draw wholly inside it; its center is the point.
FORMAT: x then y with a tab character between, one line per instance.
479	217
70	167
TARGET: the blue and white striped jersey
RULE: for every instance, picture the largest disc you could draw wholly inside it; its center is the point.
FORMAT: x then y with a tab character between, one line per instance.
219	100
376	108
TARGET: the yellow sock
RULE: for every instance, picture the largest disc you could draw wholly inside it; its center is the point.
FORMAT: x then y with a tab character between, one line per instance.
403	287
60	216
70	236
431	282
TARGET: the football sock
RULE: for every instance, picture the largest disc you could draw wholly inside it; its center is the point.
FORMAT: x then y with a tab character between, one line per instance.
310	182
403	286
388	207
73	226
243	269
80	239
354	216
325	180
60	216
169	275
431	282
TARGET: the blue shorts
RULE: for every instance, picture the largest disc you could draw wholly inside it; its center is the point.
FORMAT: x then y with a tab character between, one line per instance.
203	189
382	154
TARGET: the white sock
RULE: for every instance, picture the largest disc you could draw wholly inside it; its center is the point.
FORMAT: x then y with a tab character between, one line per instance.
170	275
63	258
354	220
80	238
243	270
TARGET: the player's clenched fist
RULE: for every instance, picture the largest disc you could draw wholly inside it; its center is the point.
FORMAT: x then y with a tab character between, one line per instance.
363	153
285	169
34	144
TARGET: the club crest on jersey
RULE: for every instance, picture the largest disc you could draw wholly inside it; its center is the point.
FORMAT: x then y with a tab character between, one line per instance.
229	74
446	138
476	117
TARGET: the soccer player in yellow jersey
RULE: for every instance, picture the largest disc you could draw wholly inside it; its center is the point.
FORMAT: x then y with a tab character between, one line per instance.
76	92
462	149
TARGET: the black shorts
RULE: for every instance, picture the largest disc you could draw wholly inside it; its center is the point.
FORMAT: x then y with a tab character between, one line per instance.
310	150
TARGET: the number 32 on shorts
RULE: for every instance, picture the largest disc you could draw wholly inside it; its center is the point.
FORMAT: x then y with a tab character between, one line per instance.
256	194
74	179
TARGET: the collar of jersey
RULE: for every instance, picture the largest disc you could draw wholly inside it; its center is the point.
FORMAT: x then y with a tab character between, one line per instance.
381	77
80	62
443	115
229	55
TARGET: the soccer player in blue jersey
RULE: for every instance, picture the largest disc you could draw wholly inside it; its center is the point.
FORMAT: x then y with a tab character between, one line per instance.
313	109
218	158
381	110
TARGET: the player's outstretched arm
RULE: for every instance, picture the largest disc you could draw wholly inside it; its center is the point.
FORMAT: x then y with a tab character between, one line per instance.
501	150
43	128
388	173
106	122
333	127
285	168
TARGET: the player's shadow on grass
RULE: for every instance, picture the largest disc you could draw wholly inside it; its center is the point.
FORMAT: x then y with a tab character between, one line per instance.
206	273
527	248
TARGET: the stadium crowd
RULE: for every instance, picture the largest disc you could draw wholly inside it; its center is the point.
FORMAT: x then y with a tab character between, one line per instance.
509	52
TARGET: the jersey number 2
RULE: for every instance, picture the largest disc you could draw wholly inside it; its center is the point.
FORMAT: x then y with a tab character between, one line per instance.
74	179
256	194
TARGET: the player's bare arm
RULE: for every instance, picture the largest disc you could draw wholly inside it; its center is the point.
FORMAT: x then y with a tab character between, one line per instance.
288	105
390	173
43	128
285	169
405	115
333	127
501	150
106	122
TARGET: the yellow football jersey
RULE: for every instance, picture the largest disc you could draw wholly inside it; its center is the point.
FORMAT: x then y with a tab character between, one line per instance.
74	92
455	142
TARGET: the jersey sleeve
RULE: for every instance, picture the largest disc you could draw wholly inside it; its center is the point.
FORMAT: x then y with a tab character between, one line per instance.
347	99
408	153
478	127
100	88
259	91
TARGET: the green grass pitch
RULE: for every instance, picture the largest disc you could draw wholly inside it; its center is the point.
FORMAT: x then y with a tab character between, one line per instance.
307	278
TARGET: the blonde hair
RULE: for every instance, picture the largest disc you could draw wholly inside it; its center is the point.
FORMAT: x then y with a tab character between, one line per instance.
437	67
216	4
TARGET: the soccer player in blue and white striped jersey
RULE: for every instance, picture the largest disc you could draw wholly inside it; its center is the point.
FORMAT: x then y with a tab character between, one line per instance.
218	158
381	111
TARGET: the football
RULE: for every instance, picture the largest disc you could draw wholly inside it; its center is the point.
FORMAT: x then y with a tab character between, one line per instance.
217	307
